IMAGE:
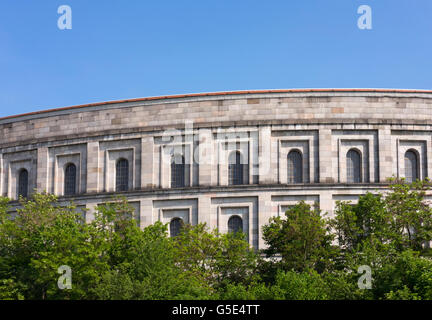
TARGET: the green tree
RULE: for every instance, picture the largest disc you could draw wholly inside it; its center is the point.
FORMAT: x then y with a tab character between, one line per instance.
218	258
380	226
302	239
387	232
363	232
145	268
411	225
353	224
112	258
407	277
142	263
42	237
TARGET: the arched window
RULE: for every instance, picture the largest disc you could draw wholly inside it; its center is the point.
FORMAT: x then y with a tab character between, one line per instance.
122	175
411	166
237	170
70	179
23	183
353	166
175	227
178	171
235	224
295	167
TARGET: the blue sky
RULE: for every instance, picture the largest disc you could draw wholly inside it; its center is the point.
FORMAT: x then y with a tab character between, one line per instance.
129	49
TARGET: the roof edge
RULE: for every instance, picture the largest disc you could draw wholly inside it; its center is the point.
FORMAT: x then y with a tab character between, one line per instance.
212	94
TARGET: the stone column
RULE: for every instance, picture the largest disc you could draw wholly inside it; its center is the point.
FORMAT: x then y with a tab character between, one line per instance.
3	172
204	157
264	214
326	203
147	146
265	155
385	158
93	167
146	212
42	170
204	210
325	156
90	211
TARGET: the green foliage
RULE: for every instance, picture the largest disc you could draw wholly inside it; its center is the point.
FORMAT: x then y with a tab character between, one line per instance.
409	275
302	239
142	262
343	285
253	291
10	290
217	258
307	257
41	238
111	257
356	223
292	285
401	219
412	216
387	232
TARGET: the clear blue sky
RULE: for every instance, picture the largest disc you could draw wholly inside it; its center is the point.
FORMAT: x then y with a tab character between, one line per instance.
139	48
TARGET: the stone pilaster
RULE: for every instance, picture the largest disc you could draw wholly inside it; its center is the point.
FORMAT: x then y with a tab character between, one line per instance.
266	172
386	161
264	214
147	165
325	156
146	212
93	167
42	170
204	210
205	158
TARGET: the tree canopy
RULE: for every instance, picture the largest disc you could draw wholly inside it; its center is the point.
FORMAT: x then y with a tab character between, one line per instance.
308	254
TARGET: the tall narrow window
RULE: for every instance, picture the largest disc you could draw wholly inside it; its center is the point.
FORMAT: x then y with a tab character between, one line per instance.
237	170
178	169
411	166
23	183
353	166
175	227
122	175
235	224
295	167
70	179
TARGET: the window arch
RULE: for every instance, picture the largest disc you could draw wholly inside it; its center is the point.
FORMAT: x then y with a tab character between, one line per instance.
237	170
23	183
178	170
411	166
122	175
235	224
295	167
70	179
176	225
353	166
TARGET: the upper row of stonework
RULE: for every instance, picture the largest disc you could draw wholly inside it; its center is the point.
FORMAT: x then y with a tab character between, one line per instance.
303	106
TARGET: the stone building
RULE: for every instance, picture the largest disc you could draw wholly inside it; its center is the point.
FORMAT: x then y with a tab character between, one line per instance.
230	159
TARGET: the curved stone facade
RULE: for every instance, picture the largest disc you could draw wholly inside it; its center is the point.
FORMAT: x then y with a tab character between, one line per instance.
341	142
